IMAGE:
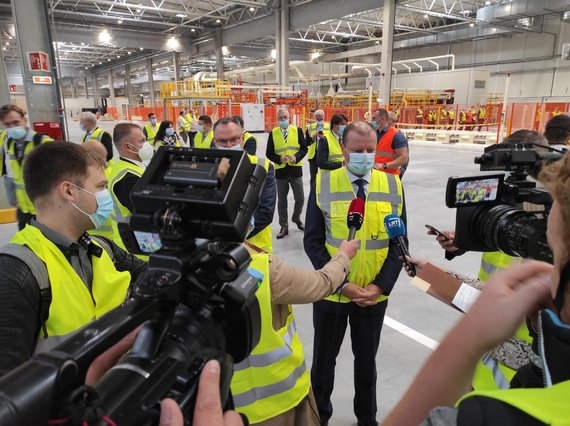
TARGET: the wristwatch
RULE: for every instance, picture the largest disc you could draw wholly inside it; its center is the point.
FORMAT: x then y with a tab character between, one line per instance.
384	166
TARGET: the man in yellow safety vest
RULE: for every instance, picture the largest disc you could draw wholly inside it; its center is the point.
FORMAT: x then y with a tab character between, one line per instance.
363	299
20	141
88	124
55	277
151	128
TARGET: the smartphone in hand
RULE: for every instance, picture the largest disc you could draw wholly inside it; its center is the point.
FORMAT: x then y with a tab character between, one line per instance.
437	232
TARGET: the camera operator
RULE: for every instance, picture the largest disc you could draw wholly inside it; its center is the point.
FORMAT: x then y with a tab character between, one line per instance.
496	370
545	382
557	131
54	278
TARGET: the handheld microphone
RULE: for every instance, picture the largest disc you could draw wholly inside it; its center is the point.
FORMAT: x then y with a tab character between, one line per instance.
355	217
397	232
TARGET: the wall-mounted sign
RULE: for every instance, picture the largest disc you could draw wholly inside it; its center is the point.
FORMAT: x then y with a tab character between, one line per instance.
12	88
38	61
36	79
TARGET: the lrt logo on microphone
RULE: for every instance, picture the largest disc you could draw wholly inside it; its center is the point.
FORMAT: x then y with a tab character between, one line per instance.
393	223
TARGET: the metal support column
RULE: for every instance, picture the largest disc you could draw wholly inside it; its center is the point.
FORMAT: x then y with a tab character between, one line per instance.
176	61
129	85
219	55
283	57
150	78
86	87
44	102
112	101
4	88
387	45
96	93
278	45
73	88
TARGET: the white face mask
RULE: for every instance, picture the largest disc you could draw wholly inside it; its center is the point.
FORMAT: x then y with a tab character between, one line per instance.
145	153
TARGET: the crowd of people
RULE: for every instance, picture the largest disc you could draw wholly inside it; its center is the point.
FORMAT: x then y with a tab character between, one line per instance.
69	265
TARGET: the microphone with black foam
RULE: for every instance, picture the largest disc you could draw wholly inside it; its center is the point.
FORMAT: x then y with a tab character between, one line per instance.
355	217
397	233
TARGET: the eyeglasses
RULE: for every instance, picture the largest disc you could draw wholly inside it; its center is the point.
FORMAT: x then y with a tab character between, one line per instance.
225	142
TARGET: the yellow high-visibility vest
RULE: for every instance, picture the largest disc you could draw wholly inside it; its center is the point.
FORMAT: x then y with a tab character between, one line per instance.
548	405
334	193
17	167
312	132
264	238
203	142
121	214
151	132
289	148
335	150
73	305
274	378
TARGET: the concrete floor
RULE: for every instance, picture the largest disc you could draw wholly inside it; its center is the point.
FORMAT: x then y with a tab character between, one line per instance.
400	356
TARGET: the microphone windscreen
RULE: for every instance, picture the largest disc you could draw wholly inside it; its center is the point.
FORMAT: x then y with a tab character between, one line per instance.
394	226
356	206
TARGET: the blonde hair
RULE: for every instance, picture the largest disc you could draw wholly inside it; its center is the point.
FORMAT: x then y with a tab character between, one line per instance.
556	177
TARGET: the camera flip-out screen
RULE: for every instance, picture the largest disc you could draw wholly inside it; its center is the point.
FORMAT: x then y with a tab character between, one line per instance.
470	191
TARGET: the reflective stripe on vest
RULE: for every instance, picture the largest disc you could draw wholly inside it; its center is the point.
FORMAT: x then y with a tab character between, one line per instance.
274	378
151	132
312	132
73	305
264	238
335	151
121	214
548	405
492	262
201	142
24	202
291	147
334	193
384	151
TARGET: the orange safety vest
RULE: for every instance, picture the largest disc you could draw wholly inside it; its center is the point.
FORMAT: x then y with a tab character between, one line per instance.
384	151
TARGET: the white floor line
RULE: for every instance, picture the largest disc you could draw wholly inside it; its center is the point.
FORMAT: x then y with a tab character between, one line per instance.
410	332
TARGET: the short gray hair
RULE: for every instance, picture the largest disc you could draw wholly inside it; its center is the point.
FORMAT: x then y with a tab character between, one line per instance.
88	117
392	116
320	112
283	109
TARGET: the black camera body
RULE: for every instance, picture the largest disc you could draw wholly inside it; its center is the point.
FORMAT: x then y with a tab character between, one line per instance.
196	300
489	207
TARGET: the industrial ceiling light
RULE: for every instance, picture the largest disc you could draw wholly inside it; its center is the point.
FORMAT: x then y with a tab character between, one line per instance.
273	54
471	24
252	9
180	15
128	53
104	37
141	48
193	30
425	16
218	21
119	21
173	43
487	3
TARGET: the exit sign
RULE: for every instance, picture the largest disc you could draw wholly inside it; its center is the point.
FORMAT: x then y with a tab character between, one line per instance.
36	79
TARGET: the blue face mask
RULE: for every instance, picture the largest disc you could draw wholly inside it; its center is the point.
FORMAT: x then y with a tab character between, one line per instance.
104	206
361	163
200	127
375	125
341	128
153	121
18	132
82	127
169	131
284	124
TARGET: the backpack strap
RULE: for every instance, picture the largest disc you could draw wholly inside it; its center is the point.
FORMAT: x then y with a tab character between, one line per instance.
105	244
39	271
